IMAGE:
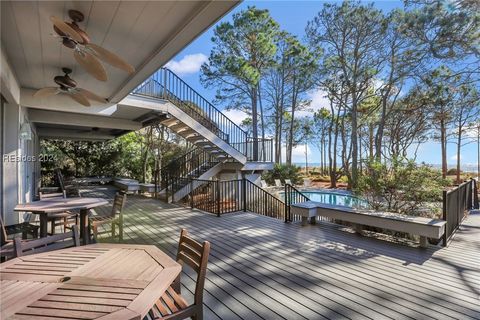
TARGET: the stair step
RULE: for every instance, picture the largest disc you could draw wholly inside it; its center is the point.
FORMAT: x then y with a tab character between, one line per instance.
203	144
187	132
169	122
195	138
179	127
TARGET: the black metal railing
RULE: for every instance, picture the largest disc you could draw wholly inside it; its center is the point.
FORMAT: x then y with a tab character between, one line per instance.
214	196
178	172
220	197
456	204
292	196
264	147
165	84
262	202
476	202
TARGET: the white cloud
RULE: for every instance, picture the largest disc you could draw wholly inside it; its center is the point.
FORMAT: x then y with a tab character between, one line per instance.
298	153
454	157
237	116
319	101
189	64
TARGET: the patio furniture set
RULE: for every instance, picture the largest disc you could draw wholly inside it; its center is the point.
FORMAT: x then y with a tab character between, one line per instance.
56	277
65	276
278	183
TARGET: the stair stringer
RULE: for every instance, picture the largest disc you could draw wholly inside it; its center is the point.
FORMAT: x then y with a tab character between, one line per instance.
169	107
180	194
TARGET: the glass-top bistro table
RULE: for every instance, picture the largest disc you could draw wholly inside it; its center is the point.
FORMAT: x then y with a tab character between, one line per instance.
57	205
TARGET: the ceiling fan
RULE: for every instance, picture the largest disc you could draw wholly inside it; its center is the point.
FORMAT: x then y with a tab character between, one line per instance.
85	52
68	86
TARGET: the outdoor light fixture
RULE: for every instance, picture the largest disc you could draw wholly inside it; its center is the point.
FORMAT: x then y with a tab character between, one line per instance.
25	131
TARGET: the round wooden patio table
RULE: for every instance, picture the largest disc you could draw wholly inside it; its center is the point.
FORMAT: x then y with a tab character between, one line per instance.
97	281
57	205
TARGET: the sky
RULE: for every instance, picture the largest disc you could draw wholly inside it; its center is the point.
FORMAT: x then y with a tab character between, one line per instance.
293	17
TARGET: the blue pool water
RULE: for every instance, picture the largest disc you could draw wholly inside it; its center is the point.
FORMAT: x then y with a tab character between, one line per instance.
334	198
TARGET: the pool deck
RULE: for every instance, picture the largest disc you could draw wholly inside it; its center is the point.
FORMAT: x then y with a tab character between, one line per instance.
263	268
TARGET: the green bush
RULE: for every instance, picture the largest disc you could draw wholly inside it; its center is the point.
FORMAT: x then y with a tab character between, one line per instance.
403	187
452	172
282	172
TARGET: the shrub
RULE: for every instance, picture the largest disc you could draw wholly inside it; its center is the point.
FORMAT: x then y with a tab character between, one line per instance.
282	172
452	172
401	186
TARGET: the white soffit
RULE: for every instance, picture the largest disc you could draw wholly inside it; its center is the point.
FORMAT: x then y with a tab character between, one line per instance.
147	34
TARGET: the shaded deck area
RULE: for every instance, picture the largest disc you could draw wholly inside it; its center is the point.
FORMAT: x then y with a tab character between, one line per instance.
263	268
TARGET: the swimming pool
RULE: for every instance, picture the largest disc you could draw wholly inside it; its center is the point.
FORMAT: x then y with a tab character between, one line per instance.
333	198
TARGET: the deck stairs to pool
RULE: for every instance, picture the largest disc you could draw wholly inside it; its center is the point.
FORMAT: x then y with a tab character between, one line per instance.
215	138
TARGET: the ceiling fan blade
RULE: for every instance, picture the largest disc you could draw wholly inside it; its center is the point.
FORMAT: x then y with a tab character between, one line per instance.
65	28
80	98
91	96
45	92
110	58
91	64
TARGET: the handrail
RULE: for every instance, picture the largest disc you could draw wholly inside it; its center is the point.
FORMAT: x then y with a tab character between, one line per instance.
292	196
219	197
167	85
259	201
189	165
456	203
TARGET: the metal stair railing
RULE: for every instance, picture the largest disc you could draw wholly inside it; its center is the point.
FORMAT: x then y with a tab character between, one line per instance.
176	174
165	84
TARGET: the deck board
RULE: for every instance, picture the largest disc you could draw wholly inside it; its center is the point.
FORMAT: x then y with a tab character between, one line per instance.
262	268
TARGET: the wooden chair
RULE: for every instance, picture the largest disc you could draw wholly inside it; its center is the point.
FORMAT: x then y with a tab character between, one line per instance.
172	305
6	245
25	228
50	243
114	218
67	219
69	190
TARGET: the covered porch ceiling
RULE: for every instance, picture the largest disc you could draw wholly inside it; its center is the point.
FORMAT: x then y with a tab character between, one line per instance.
147	34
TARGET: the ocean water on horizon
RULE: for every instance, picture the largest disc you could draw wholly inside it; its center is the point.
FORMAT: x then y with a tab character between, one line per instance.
464	168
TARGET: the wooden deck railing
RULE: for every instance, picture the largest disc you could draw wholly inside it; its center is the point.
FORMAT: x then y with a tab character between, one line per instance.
456	204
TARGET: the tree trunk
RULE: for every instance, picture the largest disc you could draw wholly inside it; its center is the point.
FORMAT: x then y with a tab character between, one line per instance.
443	142
459	147
354	142
254	123
262	154
292	125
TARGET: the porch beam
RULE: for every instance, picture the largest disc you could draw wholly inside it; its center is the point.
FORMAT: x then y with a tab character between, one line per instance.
66	134
82	120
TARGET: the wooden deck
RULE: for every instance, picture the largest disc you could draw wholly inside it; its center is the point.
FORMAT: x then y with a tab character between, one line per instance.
262	268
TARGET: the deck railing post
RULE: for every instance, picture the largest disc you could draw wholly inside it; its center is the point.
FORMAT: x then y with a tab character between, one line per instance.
244	194
191	194
217	196
286	202
445	217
